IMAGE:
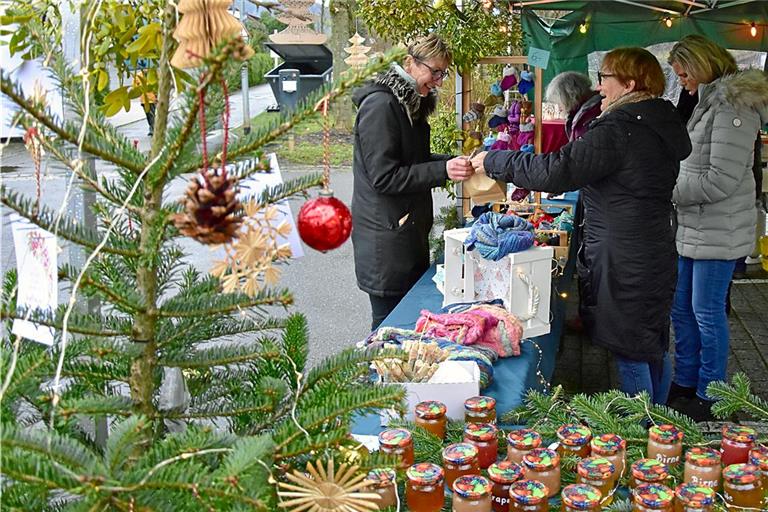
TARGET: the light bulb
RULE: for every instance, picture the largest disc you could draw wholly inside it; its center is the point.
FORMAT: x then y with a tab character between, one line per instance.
668	22
753	30
583	28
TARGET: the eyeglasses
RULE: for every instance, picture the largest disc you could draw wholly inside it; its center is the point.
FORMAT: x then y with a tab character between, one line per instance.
600	77
437	74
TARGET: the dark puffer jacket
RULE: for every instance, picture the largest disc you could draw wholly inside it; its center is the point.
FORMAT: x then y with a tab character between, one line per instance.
626	166
394	173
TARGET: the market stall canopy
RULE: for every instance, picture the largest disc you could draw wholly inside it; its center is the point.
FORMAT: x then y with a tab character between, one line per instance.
605	25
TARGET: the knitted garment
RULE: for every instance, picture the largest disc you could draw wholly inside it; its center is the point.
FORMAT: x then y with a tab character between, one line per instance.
509	328
461	328
564	222
495	235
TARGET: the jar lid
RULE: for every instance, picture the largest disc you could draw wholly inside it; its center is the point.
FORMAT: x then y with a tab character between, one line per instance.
695	496
595	468
666	434
741	474
381	477
480	431
702	456
650	470
608	444
524	439
541	459
430	409
472	486
759	456
480	403
528	492
505	472
425	473
459	453
581	496
653	495
574	435
395	437
739	433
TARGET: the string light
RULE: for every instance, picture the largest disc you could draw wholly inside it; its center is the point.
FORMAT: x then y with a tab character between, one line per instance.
583	28
668	22
753	30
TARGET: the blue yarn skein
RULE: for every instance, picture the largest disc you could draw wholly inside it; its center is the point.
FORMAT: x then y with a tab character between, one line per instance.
495	235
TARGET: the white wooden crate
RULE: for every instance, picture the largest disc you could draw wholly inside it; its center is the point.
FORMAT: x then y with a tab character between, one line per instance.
522	279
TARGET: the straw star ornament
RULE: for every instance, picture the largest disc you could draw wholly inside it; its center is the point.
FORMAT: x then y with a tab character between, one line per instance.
324	489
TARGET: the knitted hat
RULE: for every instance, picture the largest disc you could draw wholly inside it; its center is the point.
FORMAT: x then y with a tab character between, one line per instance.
497	121
504	136
491	100
474	113
508	82
488	141
500	111
496	89
526	82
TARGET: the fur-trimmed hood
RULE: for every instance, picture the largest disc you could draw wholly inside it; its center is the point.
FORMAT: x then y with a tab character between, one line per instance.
397	82
743	90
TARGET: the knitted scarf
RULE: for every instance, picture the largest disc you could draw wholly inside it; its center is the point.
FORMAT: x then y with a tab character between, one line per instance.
626	99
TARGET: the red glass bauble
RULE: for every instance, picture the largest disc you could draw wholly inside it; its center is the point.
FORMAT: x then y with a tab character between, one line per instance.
324	223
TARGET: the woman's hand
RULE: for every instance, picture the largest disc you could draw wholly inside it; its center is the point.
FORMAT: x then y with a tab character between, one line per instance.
459	168
477	162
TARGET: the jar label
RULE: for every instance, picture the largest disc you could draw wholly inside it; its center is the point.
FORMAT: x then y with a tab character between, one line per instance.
666	459
501	500
706	483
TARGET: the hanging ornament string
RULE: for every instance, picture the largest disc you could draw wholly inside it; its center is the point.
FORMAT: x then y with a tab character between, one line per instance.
32	142
225	122
322	106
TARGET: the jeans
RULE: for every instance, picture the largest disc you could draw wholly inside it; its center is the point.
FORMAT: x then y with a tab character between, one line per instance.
381	307
654	377
701	323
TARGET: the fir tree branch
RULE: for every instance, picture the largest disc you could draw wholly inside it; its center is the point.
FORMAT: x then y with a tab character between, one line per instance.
201	329
96	406
89	281
82	324
290	188
216	412
735	397
214	356
224	304
51	445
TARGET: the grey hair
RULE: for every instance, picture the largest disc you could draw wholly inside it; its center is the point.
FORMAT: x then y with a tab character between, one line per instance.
568	89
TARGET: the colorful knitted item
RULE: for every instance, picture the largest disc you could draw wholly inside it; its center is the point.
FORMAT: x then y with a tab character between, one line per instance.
495	235
461	328
510	330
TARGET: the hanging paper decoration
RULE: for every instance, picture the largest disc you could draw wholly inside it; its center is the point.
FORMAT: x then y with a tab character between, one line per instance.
297	18
357	52
326	489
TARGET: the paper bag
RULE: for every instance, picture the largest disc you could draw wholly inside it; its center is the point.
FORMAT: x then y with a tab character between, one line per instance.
483	189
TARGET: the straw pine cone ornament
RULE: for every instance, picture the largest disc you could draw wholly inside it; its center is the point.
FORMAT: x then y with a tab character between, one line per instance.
327	489
213	214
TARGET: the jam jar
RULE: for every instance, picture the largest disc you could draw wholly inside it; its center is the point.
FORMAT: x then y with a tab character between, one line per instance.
480	409
702	467
431	417
694	498
574	440
520	442
758	456
543	464
528	496
613	448
648	471
382	482
581	497
424	490
599	473
652	498
471	493
459	459
665	443
736	443
741	486
397	441
485	438
502	475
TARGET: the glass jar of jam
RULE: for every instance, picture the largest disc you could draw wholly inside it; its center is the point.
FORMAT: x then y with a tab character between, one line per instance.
480	409
648	471
397	441
520	442
613	448
665	443
599	473
459	459
485	438
652	498
543	464
694	498
424	490
502	475
528	496
702	467
574	440
382	482
431	417
736	443
741	486
758	456
581	497
471	493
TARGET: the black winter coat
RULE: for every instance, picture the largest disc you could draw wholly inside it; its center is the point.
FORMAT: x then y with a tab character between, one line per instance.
394	173
626	165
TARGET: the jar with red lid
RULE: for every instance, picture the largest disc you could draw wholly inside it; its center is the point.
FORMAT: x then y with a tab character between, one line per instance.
580	498
471	493
736	443
597	472
574	440
430	416
521	441
613	448
382	481
480	409
399	442
694	498
742	486
652	498
648	471
543	464
424	490
665	443
702	467
459	459
485	438
502	475
528	496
